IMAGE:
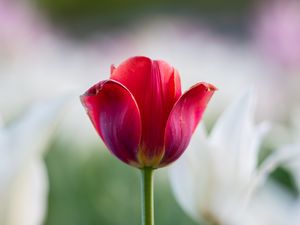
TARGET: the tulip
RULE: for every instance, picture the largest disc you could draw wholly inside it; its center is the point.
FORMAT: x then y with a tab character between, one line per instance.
141	115
143	118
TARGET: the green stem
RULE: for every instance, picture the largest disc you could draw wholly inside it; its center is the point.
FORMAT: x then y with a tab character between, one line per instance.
147	196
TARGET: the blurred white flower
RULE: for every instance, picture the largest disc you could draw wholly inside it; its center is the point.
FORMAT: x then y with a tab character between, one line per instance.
295	213
294	145
283	208
217	177
23	177
26	203
271	205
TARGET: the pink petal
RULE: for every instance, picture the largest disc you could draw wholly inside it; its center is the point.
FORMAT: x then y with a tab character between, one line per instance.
115	115
184	119
156	87
112	69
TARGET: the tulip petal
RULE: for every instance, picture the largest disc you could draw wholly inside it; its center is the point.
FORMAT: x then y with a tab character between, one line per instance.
183	120
112	68
115	115
156	87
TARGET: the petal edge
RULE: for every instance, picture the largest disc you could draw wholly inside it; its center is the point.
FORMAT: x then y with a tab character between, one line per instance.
115	115
184	119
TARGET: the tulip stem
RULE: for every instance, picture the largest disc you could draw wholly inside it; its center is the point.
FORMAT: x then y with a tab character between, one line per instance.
147	196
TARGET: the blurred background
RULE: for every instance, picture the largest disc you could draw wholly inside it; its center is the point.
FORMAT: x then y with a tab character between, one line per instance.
51	48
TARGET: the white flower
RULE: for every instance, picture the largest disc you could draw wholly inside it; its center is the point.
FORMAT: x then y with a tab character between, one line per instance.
271	205
23	177
294	146
216	178
294	167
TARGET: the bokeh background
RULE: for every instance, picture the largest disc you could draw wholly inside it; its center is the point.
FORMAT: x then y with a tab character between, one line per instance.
51	48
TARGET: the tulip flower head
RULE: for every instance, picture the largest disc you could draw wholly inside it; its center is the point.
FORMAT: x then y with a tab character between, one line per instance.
141	114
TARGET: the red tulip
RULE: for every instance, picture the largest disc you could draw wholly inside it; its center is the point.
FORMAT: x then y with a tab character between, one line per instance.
141	115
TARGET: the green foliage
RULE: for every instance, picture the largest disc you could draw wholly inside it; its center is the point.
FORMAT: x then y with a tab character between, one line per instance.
95	188
86	16
285	179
